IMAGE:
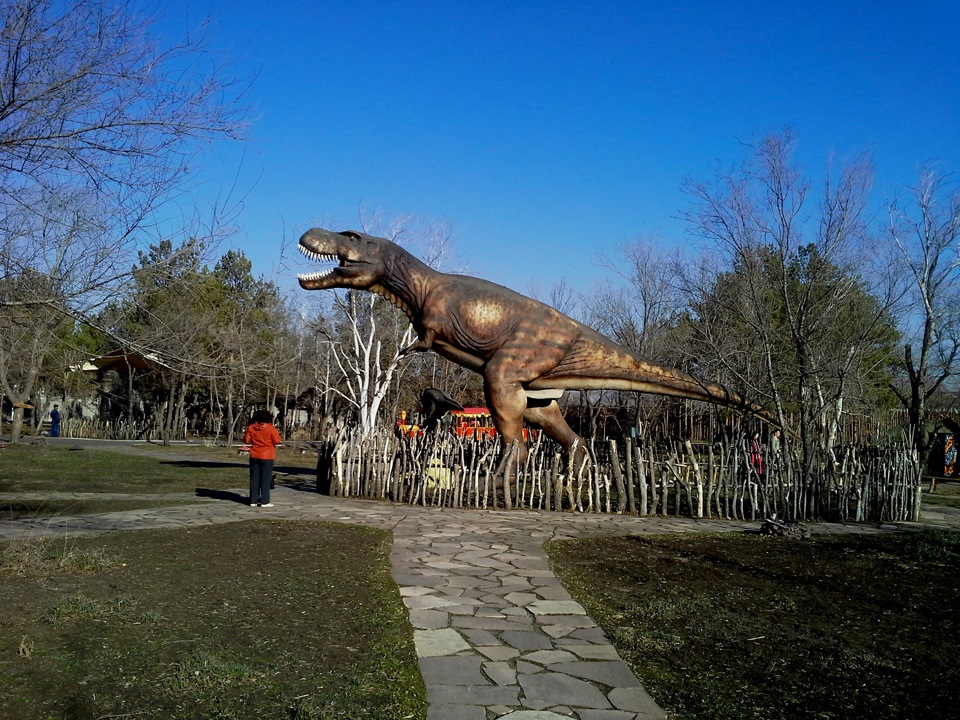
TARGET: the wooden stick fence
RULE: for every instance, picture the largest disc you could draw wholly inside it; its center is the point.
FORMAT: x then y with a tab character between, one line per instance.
856	483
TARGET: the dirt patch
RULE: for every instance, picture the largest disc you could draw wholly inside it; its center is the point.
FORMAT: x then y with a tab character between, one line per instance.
246	620
736	626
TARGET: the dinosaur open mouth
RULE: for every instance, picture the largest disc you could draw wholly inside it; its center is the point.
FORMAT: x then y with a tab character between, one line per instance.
319	257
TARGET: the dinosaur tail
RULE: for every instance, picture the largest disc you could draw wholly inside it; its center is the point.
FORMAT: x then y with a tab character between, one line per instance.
604	365
677	383
681	384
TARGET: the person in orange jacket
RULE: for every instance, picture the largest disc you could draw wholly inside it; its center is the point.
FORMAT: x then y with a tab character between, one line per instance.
263	438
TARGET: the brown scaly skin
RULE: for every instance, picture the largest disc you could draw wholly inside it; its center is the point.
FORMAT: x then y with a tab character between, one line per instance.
518	345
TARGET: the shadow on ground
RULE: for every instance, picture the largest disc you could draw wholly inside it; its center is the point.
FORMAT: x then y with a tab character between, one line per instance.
203	463
221	495
302	485
289	470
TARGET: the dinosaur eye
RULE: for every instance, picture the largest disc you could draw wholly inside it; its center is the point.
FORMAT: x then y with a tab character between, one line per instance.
351	235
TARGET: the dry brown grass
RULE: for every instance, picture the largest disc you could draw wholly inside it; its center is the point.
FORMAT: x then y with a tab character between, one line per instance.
739	626
263	619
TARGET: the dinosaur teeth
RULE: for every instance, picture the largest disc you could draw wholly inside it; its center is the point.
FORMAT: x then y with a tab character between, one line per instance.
315	275
319	257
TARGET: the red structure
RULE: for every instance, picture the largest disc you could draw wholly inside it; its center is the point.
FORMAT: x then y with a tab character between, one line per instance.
475	422
471	422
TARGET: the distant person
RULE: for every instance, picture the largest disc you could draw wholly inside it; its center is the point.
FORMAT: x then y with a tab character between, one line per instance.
756	454
263	438
55	421
775	447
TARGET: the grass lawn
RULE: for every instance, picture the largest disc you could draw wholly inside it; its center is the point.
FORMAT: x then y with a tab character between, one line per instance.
260	619
947	493
148	469
738	626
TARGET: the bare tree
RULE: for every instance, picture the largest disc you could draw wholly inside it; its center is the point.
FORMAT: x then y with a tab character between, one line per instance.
369	358
99	128
636	306
807	324
644	303
926	234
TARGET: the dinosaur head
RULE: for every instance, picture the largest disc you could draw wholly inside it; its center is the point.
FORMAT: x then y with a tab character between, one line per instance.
359	257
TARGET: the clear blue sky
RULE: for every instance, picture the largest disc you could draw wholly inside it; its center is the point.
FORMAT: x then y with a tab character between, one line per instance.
546	131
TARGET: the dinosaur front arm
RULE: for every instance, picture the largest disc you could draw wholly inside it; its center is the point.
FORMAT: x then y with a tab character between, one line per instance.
421	344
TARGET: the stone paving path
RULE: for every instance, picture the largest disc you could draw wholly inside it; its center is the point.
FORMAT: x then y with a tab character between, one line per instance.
496	634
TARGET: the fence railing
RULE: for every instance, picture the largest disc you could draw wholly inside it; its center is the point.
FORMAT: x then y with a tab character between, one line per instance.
854	483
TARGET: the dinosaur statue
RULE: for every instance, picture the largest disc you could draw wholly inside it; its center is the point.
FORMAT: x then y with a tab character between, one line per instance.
527	352
434	404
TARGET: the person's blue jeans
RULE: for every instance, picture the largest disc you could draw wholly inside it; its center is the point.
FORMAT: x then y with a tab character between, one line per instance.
261	472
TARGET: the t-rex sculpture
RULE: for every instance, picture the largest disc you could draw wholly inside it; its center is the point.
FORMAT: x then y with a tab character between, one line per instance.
434	404
527	352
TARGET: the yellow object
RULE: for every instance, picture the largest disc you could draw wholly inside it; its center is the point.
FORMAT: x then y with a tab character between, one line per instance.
438	475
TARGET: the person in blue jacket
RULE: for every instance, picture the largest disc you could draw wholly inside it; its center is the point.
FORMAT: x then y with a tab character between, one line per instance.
55	421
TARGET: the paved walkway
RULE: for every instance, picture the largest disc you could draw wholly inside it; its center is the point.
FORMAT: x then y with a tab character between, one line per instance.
496	634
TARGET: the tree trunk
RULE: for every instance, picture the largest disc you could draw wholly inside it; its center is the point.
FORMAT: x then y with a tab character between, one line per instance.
16	427
230	418
167	425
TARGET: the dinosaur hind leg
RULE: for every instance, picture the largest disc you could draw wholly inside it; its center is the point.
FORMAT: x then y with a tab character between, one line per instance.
547	415
507	402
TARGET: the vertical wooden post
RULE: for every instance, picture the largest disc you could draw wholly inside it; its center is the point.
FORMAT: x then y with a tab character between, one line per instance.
618	479
664	492
628	458
711	484
698	476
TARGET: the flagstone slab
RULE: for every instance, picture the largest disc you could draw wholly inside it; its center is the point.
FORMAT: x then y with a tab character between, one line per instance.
456	712
473	694
470	581
500	672
480	637
636	700
613	673
557	689
580	621
499	652
591	634
518	612
552	592
550	657
428	602
432	643
528	668
556	607
594	652
485	623
607	715
429	619
460	670
414	591
526	640
520	598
